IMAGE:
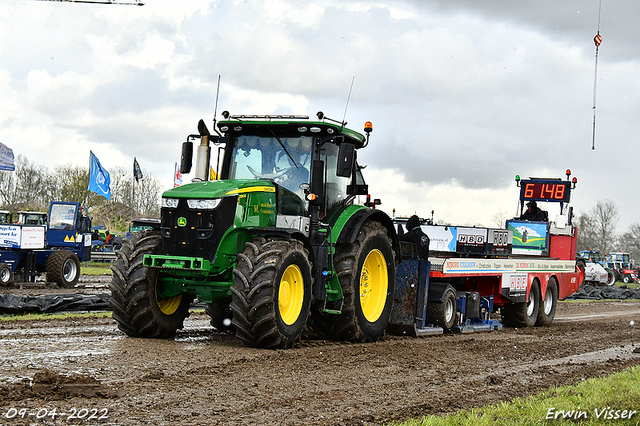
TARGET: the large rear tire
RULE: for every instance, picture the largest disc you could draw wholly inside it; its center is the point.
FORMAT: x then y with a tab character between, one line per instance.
137	307
366	271
63	268
523	314
547	309
271	293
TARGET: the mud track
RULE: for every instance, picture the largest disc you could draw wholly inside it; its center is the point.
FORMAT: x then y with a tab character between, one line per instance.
204	377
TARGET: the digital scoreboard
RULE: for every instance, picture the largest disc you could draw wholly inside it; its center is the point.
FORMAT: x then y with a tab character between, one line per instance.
545	190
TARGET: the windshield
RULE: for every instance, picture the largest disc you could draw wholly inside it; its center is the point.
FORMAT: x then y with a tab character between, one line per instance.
257	157
62	216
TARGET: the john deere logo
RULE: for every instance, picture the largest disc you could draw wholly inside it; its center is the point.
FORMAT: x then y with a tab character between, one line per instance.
182	221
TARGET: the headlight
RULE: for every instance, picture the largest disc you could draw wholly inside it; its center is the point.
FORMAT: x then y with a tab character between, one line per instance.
204	204
171	203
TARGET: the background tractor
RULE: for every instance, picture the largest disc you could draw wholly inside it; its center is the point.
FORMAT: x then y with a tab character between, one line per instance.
274	245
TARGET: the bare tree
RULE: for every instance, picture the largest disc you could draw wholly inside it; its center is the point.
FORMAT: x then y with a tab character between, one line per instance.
630	240
499	219
7	188
33	183
71	183
147	196
597	228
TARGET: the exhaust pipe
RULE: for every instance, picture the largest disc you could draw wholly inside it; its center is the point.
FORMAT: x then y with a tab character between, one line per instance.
203	153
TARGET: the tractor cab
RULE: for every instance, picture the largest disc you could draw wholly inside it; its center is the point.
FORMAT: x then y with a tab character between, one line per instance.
311	162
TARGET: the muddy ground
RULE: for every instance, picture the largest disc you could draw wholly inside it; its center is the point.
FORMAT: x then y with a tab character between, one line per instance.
87	368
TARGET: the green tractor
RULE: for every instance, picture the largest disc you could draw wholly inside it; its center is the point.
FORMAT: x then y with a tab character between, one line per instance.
273	246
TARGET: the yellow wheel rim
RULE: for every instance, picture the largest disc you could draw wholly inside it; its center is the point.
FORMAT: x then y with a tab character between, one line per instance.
374	284
168	305
291	295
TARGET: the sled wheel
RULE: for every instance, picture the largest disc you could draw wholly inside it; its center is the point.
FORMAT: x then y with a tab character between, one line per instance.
626	279
580	267
220	314
137	307
366	271
611	277
547	309
6	276
271	293
523	314
443	314
63	268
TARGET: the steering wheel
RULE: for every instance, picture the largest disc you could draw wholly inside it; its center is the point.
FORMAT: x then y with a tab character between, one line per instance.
268	176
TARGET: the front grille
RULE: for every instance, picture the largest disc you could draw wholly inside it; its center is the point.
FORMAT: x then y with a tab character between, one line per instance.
196	233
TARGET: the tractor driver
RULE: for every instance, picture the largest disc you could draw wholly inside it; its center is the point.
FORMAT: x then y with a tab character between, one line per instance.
297	173
68	220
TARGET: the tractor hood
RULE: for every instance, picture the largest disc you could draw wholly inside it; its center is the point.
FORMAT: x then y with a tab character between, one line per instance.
219	188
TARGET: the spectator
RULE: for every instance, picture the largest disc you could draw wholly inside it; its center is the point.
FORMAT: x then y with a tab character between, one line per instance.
109	238
95	235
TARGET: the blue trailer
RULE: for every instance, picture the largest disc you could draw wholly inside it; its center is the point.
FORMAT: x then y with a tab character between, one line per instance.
56	248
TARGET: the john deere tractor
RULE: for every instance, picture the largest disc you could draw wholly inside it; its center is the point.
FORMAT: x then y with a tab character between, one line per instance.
273	245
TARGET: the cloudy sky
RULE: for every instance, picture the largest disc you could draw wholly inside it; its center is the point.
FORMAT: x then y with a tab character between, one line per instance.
463	95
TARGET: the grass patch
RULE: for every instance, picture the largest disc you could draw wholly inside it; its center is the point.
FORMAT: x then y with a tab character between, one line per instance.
606	397
54	316
96	268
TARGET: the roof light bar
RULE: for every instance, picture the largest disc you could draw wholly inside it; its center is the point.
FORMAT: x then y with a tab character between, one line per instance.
268	117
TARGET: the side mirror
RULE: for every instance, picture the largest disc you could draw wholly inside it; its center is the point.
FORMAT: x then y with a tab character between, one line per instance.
186	160
344	167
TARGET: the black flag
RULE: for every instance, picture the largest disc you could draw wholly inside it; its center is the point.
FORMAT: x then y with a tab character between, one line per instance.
137	173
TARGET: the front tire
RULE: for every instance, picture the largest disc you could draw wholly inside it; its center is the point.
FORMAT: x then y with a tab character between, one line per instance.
366	271
547	309
137	307
523	314
6	276
63	268
271	293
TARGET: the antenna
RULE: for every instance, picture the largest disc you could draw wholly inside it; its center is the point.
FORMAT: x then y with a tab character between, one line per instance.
215	108
344	123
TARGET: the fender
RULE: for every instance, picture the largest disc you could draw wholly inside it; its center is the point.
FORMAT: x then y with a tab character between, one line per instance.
350	220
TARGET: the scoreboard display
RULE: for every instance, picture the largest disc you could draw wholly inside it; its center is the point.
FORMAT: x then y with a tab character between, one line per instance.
545	190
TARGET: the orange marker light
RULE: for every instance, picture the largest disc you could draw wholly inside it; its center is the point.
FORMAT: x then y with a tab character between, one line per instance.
368	127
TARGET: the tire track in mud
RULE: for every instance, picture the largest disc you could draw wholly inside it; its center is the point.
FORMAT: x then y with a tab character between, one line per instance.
205	377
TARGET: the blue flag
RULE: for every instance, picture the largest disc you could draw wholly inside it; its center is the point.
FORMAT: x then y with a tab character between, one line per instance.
99	179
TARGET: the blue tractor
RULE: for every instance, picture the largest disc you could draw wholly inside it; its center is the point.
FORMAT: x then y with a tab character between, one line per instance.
56	248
